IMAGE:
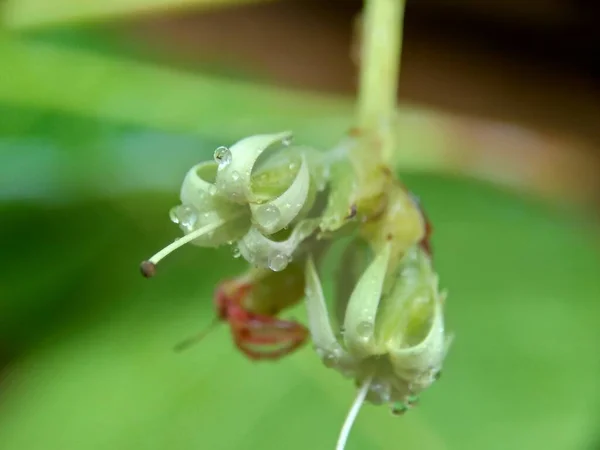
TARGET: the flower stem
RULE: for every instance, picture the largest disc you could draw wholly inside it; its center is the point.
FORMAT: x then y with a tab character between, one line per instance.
351	417
381	47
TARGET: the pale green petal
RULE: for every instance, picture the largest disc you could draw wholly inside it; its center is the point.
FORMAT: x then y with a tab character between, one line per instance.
359	324
263	252
235	172
198	190
277	214
323	337
202	205
232	230
419	364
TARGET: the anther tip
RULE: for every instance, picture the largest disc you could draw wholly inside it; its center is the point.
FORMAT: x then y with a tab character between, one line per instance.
148	269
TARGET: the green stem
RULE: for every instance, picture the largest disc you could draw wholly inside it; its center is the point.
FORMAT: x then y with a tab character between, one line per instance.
379	71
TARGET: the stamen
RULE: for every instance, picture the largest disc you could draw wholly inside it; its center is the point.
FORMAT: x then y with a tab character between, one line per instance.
358	401
148	267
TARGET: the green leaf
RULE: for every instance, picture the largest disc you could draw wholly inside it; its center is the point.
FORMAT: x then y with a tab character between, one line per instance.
25	14
36	75
523	290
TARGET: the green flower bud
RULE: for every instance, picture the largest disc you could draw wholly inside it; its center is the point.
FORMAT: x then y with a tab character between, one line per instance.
395	340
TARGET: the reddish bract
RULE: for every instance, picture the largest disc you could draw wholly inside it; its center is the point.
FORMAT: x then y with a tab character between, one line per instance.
426	241
258	336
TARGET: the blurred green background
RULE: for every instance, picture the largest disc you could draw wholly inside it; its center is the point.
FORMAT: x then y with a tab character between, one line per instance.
97	130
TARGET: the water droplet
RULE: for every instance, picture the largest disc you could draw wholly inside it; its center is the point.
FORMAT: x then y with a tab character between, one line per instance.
235	176
292	166
173	214
399	408
187	216
222	156
287	141
267	215
412	400
278	262
382	389
364	329
236	252
212	190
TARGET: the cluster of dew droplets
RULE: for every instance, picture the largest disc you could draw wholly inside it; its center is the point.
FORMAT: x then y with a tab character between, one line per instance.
186	216
268	214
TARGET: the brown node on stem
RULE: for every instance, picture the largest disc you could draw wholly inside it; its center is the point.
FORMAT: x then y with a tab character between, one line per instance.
148	269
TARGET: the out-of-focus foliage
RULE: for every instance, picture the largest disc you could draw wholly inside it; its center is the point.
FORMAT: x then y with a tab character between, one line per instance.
26	14
92	151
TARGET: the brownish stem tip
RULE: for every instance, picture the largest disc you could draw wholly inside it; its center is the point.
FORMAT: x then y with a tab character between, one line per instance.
148	269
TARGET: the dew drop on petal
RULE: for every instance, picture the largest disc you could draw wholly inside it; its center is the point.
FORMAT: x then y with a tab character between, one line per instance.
236	252
278	262
212	190
235	176
222	156
287	141
382	390
364	329
173	215
187	216
267	215
399	408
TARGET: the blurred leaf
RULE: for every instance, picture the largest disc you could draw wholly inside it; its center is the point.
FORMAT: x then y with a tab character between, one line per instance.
523	301
46	76
61	157
25	14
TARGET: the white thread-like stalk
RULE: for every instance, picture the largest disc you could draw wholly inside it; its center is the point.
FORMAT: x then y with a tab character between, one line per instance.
184	240
354	409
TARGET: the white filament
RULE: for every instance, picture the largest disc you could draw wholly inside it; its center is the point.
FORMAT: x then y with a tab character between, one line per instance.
184	240
350	418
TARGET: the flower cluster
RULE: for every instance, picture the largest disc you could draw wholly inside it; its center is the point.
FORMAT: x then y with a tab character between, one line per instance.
276	202
257	195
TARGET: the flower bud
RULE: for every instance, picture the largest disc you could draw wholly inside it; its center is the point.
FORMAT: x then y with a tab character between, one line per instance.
396	339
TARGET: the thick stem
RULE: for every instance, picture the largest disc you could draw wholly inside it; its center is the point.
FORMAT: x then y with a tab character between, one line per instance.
381	47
